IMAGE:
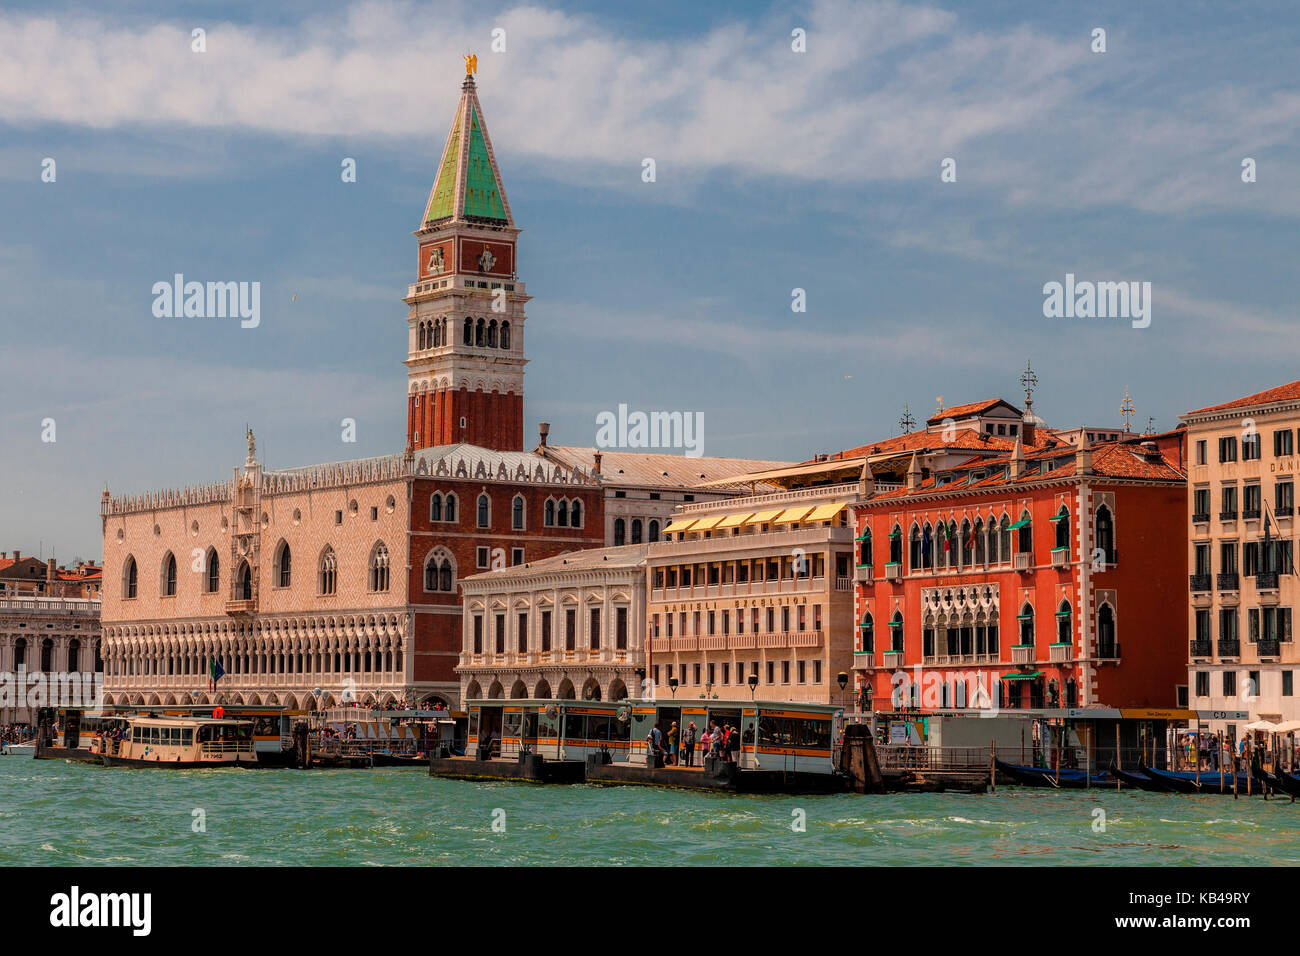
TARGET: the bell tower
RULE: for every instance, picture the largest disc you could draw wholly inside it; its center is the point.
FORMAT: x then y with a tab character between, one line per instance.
465	361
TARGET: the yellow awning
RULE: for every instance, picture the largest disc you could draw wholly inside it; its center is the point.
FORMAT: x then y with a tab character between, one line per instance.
791	515
763	517
827	512
679	525
732	521
704	524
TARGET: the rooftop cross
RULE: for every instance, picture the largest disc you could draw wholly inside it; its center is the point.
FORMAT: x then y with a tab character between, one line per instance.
907	422
1029	381
1127	410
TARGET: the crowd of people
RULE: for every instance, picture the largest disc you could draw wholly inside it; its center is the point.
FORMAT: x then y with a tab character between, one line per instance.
16	733
678	745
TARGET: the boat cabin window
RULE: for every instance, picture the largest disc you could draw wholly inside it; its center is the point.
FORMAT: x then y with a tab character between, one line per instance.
187	736
794	732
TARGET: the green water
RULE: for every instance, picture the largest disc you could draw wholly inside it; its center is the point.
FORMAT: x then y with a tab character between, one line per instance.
60	813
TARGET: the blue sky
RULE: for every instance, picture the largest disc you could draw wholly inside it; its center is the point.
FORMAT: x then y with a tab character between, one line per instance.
775	170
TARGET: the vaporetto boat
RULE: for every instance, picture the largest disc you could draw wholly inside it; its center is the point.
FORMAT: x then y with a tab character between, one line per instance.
182	743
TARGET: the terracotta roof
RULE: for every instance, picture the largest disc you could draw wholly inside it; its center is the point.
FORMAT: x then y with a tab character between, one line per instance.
1110	460
1281	393
656	470
970	408
966	439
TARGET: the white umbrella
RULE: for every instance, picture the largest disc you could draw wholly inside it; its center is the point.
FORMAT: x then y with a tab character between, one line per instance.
1287	727
1261	725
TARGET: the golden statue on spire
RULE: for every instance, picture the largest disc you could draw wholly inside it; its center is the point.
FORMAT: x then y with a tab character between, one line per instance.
471	64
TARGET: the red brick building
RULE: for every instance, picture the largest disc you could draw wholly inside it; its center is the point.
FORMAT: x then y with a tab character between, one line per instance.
1040	578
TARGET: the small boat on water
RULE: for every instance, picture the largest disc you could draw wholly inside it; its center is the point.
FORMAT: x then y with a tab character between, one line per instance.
24	749
179	743
1063	778
1207	781
1133	778
1283	782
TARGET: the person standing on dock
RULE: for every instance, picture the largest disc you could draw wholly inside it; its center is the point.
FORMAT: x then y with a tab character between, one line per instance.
688	744
672	743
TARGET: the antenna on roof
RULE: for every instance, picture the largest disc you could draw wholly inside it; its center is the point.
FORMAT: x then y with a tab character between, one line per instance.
907	422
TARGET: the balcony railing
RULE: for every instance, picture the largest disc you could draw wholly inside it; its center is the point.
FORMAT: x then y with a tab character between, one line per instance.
1268	648
1227	581
1200	648
1200	517
844	584
1199	582
1229	647
1022	654
1060	557
892	658
1021	561
1108	650
1227	515
1250	514
893	571
1266	581
863	573
1060	653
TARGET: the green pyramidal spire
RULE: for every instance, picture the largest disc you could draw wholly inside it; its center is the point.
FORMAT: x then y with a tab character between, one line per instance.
468	187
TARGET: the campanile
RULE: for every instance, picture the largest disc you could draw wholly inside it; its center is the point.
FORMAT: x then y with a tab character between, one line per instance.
465	362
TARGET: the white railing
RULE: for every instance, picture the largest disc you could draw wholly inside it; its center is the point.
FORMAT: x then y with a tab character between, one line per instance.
82	607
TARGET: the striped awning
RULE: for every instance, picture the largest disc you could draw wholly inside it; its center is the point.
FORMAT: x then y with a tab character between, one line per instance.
827	512
705	524
733	521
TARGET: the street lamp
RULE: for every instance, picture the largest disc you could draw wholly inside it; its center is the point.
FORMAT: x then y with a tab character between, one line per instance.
843	680
672	686
753	685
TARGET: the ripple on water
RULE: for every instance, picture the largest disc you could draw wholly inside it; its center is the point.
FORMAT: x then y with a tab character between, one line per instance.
69	813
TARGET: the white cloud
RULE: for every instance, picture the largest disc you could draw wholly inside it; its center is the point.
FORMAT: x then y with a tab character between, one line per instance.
884	92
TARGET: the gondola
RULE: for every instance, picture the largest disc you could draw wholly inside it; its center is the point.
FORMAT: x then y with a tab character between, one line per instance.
1064	779
1185	781
1283	782
1134	778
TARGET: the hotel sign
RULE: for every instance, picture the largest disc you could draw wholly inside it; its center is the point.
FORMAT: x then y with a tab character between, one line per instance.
1222	714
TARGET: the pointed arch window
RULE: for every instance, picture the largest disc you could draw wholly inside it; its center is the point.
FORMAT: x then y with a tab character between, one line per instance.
575	514
562	514
915	554
469	331
517	513
484	510
449	508
981	551
213	571
1024	534
284	565
492	334
1026	619
505	335
864	548
480	332
1062	522
550	513
329	572
169	575
244	582
867	630
966	554
896	632
1106	533
1106	645
896	545
1005	538
1064	624
379	568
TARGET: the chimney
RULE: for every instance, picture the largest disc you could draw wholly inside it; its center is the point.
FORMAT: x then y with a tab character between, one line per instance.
544	429
17	554
1027	429
49	570
1017	460
914	474
595	468
1083	456
1151	452
866	481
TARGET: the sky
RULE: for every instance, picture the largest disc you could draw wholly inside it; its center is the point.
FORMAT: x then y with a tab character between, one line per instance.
775	170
